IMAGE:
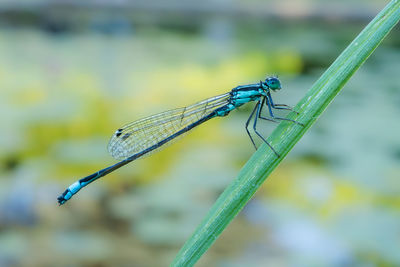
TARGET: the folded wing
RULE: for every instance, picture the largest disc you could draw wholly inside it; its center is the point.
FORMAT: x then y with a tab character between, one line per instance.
141	134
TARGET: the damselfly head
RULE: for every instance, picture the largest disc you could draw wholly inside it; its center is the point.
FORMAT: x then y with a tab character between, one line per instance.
273	83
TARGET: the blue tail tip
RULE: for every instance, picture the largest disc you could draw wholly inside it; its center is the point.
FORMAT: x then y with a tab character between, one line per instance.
61	200
64	197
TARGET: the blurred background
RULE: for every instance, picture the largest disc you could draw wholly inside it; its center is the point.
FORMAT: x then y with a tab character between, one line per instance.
73	72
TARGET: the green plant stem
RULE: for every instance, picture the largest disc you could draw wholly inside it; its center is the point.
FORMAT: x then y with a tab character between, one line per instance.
286	135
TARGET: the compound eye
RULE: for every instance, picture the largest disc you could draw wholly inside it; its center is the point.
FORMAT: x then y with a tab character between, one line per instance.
273	83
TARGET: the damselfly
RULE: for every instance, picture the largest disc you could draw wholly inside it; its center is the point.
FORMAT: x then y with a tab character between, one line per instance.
141	137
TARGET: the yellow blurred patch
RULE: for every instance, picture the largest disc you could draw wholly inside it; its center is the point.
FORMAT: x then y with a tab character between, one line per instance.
287	61
34	94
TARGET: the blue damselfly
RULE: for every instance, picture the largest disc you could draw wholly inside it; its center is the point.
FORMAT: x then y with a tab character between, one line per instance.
141	137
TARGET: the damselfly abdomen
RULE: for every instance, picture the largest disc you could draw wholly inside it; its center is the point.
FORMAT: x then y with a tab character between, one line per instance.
141	137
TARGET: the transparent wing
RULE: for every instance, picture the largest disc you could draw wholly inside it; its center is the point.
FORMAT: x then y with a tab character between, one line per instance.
141	134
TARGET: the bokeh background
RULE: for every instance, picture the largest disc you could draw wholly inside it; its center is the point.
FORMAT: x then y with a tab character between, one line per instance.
72	72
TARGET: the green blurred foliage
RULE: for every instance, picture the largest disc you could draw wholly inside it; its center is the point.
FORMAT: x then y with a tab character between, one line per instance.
334	201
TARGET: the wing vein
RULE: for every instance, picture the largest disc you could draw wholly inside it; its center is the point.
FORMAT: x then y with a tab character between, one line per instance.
143	133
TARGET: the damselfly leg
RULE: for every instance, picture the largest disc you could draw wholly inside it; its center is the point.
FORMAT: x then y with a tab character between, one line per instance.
269	104
280	106
247	126
258	106
258	115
